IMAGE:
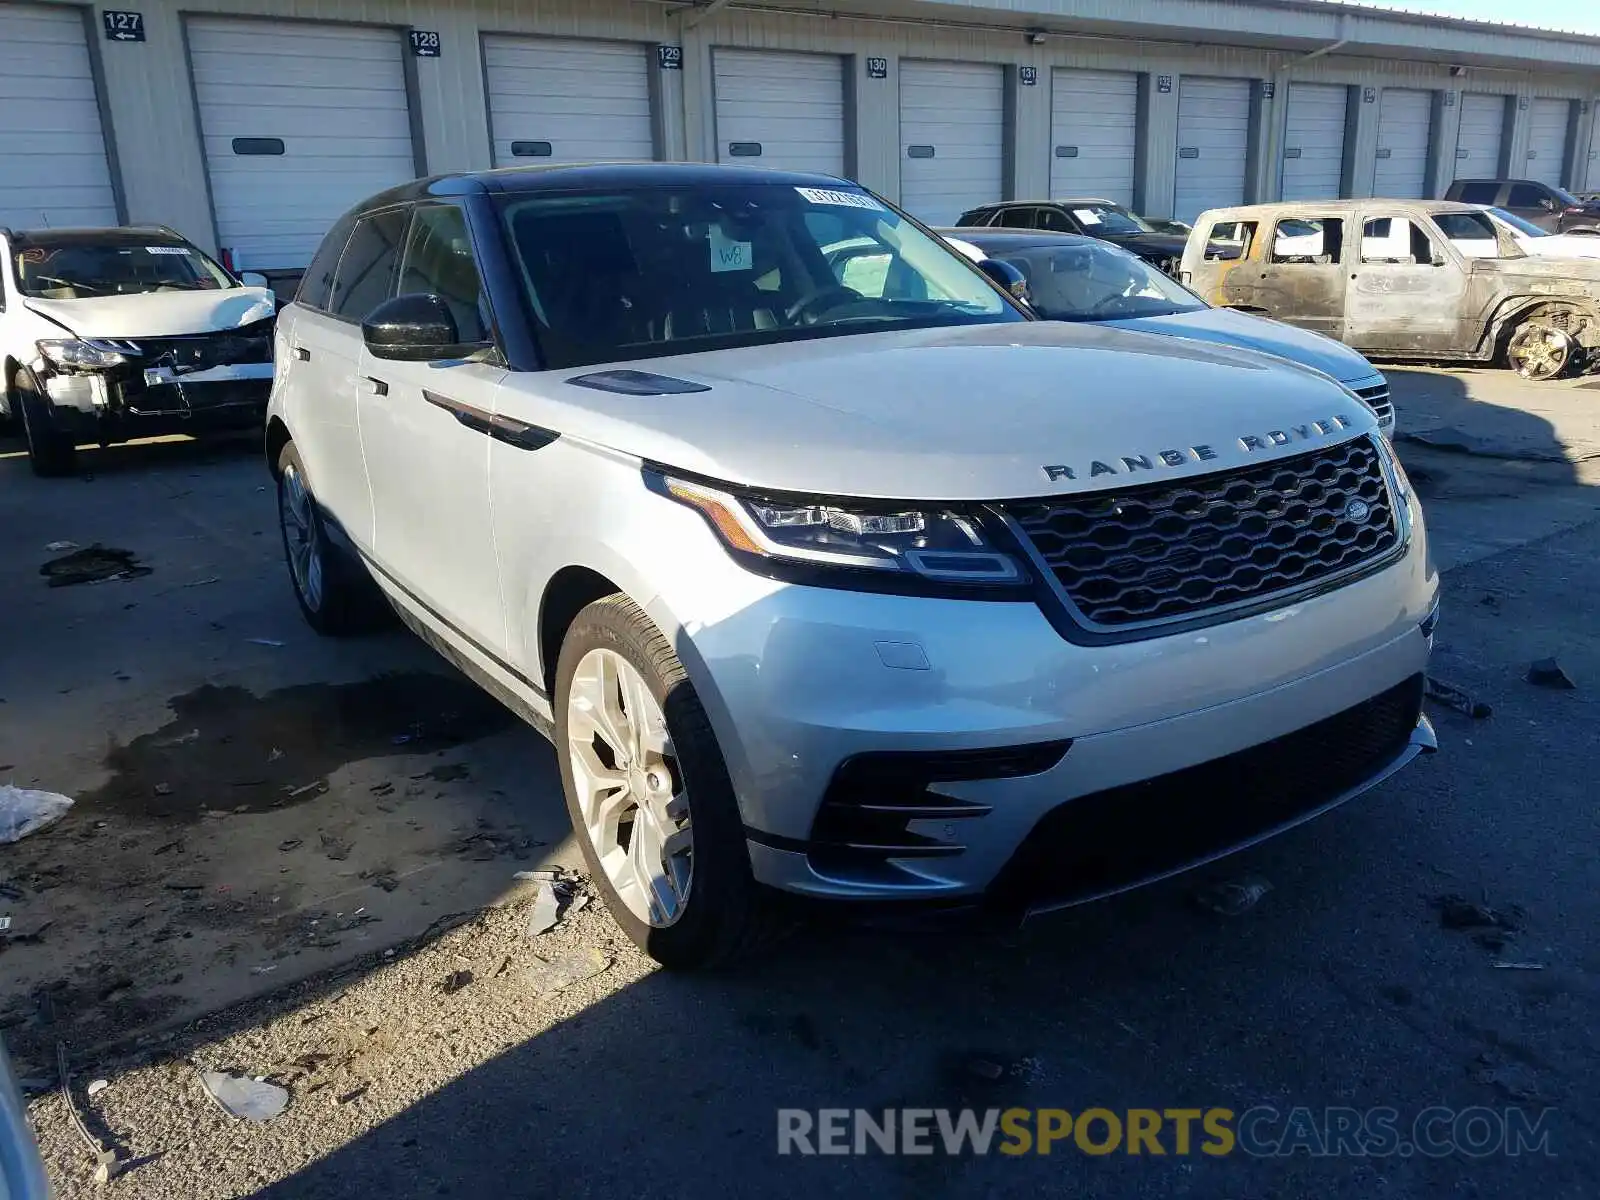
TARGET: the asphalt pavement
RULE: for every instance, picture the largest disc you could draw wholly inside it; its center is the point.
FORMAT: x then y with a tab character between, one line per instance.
342	917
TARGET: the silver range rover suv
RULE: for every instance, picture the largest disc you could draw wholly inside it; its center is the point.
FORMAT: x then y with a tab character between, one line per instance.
827	568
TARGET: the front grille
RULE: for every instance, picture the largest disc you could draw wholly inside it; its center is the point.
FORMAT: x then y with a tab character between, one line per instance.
1112	839
1377	399
200	351
1170	551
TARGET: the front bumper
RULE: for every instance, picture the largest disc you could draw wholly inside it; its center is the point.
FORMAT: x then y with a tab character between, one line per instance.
800	681
114	406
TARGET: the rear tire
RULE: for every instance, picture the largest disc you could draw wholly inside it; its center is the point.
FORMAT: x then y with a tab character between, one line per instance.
714	912
336	594
51	453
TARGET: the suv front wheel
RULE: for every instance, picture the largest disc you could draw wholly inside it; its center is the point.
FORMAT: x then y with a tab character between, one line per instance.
50	452
649	794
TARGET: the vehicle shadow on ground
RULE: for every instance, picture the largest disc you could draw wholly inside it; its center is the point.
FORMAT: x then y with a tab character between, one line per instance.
1437	411
146	455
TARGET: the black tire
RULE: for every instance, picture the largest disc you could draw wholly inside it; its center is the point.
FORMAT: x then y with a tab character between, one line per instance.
50	453
726	914
347	602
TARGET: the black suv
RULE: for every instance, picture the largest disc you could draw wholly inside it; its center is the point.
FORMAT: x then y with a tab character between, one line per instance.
1095	218
1552	208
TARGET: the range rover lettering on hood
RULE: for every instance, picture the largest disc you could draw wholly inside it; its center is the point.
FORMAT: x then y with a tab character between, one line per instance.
1249	442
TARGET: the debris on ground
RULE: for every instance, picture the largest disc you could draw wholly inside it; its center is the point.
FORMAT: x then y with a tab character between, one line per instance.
97	564
546	911
95	1088
273	642
352	1095
1519	966
1233	897
1514	1080
449	773
1547	673
107	1162
24	811
547	977
1490	601
289	844
1451	696
454	982
335	848
1457	912
985	1068
243	1097
60	547
541	876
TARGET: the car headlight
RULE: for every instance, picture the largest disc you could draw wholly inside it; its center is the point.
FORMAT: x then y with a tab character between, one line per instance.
865	544
75	352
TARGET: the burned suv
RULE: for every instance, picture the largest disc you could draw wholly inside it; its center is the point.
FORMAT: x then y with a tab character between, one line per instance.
1409	279
112	334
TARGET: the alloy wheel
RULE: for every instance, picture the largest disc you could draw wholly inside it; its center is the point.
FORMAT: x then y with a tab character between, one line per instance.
1539	352
302	537
631	794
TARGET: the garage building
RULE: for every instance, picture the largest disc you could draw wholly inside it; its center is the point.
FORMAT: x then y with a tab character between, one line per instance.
250	124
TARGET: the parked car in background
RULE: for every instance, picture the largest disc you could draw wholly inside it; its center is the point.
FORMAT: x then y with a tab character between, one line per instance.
22	1174
879	591
112	334
1072	278
1532	239
1088	216
1408	279
1552	208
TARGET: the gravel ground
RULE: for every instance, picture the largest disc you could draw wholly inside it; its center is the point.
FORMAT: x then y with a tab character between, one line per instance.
352	1057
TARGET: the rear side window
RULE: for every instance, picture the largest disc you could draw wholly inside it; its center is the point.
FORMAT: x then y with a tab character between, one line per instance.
1017	218
438	260
1308	241
366	270
1480	191
1230	240
1055	220
976	217
316	285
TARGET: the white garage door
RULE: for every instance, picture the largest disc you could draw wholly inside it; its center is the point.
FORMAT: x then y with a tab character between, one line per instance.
53	165
552	100
1483	121
1213	144
1405	131
952	138
780	110
1094	117
1313	143
1547	140
300	120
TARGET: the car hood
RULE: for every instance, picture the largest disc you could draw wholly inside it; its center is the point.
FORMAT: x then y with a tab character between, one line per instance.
1233	328
1562	245
969	413
1164	244
157	314
1553	276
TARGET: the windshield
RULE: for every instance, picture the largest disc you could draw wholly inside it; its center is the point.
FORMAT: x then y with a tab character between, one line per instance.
77	270
1091	281
1525	228
632	274
1101	219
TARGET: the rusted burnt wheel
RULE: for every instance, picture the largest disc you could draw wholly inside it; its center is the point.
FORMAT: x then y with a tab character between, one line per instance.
1538	351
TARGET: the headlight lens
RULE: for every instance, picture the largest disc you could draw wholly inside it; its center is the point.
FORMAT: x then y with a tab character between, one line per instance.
74	352
902	546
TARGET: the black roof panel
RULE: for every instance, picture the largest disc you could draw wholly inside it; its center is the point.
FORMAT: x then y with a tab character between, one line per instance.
115	235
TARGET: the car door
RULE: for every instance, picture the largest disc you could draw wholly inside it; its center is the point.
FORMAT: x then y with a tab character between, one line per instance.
1534	202
1406	287
423	429
324	341
1300	279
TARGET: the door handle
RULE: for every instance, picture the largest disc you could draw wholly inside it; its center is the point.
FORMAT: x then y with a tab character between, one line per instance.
302	354
374	386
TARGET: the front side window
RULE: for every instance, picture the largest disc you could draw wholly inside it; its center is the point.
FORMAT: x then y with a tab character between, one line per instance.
1017	218
1524	195
1055	220
1524	227
1094	281
365	276
74	268
1314	241
1472	233
616	275
438	260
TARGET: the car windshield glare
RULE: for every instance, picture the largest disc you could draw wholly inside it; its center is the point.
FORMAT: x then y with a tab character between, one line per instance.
618	275
1096	282
79	270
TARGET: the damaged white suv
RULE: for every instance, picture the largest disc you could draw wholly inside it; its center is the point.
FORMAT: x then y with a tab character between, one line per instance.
833	572
112	334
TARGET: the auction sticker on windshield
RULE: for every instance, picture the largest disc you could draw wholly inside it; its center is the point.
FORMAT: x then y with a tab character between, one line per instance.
845	199
183	250
1087	215
727	254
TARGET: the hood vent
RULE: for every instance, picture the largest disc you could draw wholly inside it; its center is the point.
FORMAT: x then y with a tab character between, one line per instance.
638	383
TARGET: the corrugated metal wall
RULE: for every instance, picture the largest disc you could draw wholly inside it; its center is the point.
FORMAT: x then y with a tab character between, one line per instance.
163	176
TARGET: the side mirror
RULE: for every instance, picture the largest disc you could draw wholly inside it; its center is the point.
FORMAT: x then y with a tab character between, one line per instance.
1438	260
1011	280
417	327
254	279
